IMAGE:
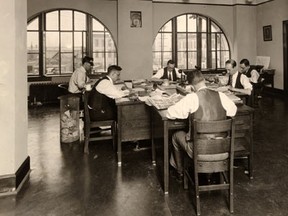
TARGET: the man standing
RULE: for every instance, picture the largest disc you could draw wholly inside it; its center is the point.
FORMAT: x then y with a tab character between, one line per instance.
207	105
170	72
79	77
101	99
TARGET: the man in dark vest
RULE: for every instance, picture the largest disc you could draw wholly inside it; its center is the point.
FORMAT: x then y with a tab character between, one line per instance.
101	99
169	72
249	71
238	82
207	105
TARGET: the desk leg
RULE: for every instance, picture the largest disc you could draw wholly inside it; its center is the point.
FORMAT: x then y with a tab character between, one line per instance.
119	146
166	158
152	140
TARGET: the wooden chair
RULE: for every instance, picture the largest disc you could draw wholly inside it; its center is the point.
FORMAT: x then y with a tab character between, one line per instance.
88	125
211	155
63	88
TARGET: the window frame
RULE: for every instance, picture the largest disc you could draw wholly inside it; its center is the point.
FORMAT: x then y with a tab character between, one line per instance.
199	45
87	50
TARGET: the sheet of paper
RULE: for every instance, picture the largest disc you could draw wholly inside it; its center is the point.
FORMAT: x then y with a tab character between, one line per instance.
263	60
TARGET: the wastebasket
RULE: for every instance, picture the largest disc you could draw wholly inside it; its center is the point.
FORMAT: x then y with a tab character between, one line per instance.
69	118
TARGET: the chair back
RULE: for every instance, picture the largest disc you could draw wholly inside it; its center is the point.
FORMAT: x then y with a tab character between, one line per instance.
64	88
213	143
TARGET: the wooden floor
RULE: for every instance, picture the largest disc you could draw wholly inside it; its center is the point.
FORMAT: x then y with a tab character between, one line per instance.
64	181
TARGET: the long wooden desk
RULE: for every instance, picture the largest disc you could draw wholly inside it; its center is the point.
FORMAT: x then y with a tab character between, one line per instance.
243	126
133	123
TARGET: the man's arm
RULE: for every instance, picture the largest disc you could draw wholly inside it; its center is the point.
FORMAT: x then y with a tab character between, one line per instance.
254	76
107	88
177	73
228	105
158	74
182	109
246	84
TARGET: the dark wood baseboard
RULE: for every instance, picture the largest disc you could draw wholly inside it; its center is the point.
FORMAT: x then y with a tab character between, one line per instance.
11	184
275	92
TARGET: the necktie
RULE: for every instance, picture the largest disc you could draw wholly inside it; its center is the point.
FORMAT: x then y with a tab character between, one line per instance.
230	80
170	77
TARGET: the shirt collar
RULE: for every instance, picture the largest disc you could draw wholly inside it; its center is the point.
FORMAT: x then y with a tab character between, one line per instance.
203	87
110	79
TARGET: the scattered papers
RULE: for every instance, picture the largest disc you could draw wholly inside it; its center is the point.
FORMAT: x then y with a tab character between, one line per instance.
164	102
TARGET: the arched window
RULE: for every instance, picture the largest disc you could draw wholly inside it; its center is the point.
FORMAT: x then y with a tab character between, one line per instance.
191	40
57	41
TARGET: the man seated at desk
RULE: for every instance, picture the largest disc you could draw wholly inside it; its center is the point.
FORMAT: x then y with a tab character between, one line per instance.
101	99
207	105
79	77
170	72
237	82
250	72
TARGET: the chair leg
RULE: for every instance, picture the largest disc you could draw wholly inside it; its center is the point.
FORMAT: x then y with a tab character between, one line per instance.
196	182
250	167
231	192
113	132
86	143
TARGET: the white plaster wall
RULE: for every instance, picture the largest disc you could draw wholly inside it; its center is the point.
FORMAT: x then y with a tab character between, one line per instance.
272	13
13	81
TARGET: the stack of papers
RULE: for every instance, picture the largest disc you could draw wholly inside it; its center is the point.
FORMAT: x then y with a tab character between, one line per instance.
164	102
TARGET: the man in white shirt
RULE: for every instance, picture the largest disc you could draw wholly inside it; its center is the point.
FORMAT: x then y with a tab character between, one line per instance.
237	82
79	77
250	72
101	99
206	105
170	72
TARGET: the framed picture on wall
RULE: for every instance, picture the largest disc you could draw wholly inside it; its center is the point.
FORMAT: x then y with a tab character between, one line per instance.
267	33
135	19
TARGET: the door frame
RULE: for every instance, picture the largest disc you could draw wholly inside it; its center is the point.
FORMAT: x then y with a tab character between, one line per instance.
285	54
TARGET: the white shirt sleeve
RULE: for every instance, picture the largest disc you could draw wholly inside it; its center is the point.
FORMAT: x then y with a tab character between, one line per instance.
107	88
228	105
159	74
177	73
254	76
245	82
182	109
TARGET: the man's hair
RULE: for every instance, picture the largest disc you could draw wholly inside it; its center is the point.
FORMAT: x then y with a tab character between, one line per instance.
232	62
170	62
245	62
88	59
113	67
195	77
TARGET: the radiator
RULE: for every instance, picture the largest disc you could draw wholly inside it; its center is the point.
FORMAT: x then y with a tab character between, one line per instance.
41	93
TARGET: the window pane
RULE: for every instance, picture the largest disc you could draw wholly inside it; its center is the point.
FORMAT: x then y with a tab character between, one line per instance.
166	42
97	26
52	53
98	41
110	47
110	59
192	23
98	62
66	63
224	44
79	21
204	51
166	57
218	42
33	42
182	60
52	21
203	24
78	41
33	64
192	42
77	59
66	42
157	43
66	20
156	61
181	23
167	27
213	54
33	25
213	41
192	60
214	27
224	57
181	42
